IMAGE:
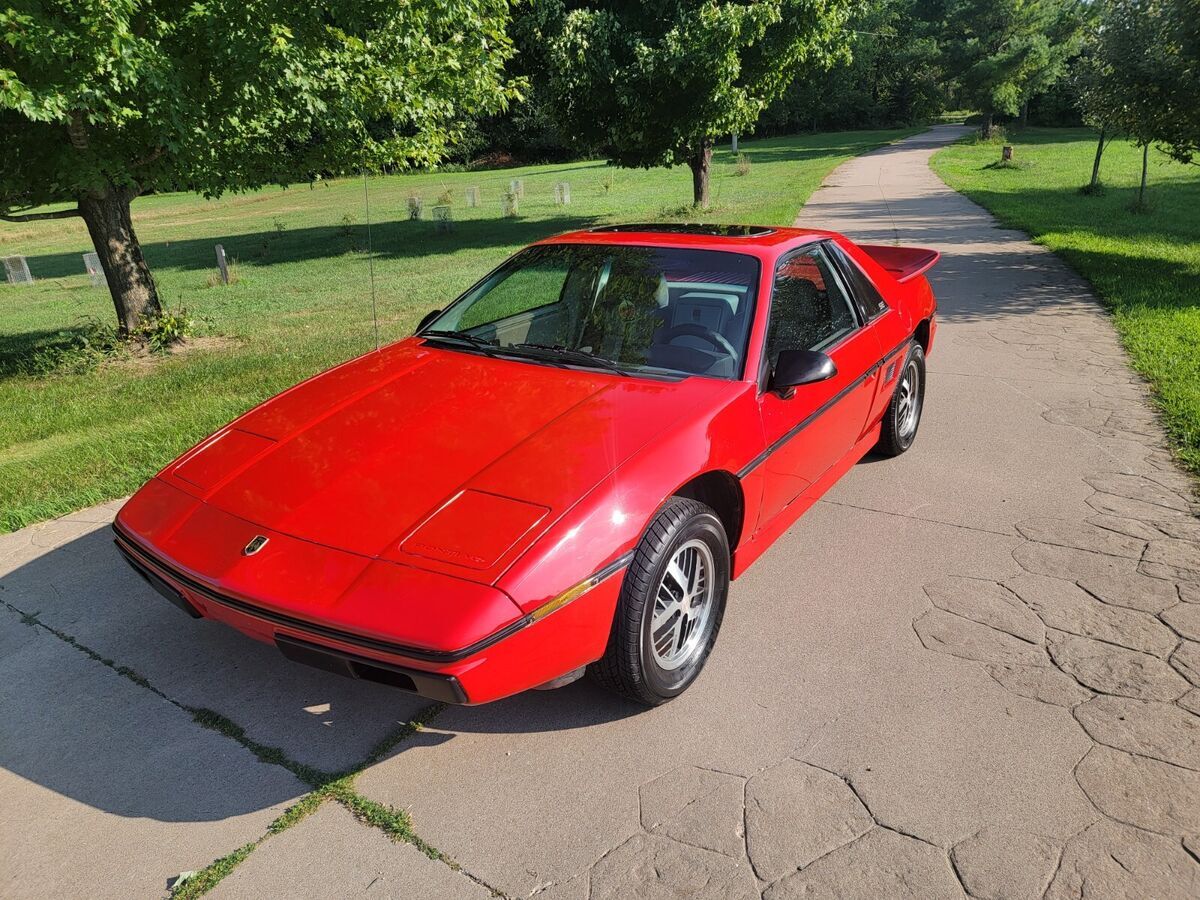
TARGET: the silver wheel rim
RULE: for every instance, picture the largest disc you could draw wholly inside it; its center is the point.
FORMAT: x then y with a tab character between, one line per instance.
908	402
682	605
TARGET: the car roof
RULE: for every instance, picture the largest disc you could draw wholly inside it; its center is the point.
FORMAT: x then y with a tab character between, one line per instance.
758	240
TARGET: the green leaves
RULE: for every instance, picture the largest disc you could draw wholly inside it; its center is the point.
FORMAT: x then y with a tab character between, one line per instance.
218	95
1006	51
1142	74
655	82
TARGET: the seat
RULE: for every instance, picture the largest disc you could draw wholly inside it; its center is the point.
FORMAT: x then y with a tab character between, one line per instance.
627	312
713	311
801	319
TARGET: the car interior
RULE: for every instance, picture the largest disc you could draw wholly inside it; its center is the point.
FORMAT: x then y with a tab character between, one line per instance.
809	309
692	322
643	308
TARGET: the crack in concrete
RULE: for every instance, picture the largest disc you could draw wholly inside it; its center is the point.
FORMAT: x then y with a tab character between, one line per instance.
1155	499
1119	422
324	784
888	512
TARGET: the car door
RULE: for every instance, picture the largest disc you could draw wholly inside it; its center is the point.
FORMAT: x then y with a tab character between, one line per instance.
810	428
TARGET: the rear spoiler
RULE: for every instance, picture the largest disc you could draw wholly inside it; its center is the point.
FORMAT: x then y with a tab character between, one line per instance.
903	263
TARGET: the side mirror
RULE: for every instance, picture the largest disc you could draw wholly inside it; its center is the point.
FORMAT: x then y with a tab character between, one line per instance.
427	319
797	367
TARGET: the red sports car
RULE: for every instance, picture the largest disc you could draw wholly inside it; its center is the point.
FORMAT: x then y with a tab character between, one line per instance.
562	470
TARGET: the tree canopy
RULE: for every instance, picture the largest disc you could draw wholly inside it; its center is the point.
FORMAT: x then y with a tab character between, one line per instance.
1139	76
103	100
892	74
656	83
1005	51
1144	73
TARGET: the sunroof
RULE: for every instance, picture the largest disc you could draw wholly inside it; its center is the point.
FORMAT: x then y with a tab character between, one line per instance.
691	228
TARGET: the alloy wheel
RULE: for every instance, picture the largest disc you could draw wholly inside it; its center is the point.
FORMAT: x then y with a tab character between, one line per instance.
908	406
683	605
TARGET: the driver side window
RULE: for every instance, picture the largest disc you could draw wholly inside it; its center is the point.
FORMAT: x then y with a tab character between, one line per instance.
810	309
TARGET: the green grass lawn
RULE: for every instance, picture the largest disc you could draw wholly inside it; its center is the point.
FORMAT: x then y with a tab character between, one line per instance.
1145	266
302	301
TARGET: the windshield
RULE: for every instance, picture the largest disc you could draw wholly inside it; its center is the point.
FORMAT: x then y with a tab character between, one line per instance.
637	309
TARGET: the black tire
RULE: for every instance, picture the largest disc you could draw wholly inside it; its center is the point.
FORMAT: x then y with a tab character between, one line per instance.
630	665
900	427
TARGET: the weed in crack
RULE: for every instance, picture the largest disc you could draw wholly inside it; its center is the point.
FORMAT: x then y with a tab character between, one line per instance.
275	756
203	881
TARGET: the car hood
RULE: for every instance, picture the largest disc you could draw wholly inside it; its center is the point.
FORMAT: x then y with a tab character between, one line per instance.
442	459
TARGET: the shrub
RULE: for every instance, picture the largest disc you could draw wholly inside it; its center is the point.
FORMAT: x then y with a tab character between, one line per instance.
172	327
995	135
743	165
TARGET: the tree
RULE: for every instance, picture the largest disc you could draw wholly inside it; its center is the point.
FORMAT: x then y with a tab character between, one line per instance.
1185	33
529	130
656	83
1065	24
1005	51
892	75
104	100
1144	77
1092	83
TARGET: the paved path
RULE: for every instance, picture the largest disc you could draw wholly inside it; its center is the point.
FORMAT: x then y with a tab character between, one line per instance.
969	668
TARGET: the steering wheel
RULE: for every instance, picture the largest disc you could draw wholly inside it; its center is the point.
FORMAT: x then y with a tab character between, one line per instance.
692	329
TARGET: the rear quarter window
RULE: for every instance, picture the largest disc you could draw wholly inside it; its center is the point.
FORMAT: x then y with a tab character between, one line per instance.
866	295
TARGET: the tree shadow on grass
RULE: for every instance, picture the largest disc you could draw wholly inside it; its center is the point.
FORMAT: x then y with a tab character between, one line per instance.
1103	215
397	238
846	145
18	352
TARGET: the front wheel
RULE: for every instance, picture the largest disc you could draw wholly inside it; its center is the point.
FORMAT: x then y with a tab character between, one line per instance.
903	416
670	607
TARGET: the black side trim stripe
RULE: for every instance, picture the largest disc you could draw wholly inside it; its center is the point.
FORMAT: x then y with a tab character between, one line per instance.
140	558
612	568
824	408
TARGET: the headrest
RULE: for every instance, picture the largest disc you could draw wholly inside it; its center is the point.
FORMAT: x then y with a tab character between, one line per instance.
662	294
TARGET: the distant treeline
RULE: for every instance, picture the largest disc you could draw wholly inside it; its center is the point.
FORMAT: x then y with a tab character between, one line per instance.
905	62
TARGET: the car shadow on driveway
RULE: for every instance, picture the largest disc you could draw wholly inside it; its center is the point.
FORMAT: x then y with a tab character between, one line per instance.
75	728
156	658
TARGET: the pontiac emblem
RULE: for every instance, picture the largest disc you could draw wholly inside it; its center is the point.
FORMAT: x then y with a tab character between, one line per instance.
256	543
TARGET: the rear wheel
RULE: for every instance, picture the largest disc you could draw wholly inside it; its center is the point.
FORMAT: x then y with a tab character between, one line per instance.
670	607
903	416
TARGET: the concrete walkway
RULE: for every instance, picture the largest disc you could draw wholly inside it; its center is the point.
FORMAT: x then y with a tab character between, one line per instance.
971	669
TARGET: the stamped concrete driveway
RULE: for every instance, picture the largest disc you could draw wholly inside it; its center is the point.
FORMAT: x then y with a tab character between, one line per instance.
969	670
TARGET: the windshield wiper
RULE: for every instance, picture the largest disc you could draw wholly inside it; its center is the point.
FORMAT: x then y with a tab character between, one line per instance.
463	336
556	352
584	357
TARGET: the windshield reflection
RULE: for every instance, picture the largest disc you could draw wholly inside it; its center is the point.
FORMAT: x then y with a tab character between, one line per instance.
622	308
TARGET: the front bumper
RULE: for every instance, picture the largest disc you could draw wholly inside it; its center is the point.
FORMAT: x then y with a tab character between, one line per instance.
521	654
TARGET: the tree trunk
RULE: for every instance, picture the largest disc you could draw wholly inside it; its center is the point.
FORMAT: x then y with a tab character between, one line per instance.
987	125
1096	162
1142	189
699	164
1024	115
129	280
